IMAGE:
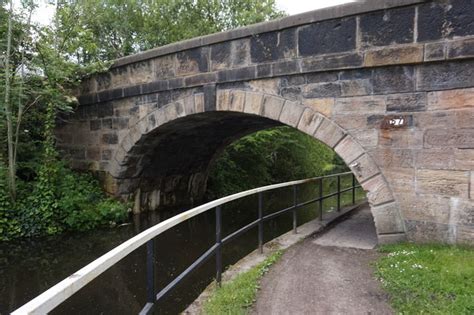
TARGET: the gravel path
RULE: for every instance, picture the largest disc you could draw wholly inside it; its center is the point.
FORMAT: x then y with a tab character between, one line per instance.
328	274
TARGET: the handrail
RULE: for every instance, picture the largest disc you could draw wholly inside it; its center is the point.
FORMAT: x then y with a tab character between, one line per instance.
57	294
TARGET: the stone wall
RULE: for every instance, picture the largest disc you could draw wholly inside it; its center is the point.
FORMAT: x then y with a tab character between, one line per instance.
388	85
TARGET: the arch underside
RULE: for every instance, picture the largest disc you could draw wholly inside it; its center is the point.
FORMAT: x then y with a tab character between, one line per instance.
167	154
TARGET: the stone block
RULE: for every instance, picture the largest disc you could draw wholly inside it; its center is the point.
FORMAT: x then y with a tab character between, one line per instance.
360	105
189	108
244	73
378	191
396	79
141	72
451	99
267	86
462	212
447	75
332	62
240	52
382	28
356	87
253	103
192	61
199	102
93	153
464	118
330	36
364	167
329	133
403	139
425	207
223	99
237	101
291	93
105	109
465	235
95	124
106	155
427	232
103	81
394	56
443	138
120	123
109	138
119	76
264	70
438	119
351	122
272	107
291	113
272	46
348	149
407	102
309	121
387	219
401	180
319	77
445	19
391	238
165	67
286	67
221	56
435	159
443	182
322	90
394	158
435	51
367	138
461	48
464	160
321	105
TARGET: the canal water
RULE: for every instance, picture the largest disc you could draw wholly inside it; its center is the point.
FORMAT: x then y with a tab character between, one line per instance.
28	268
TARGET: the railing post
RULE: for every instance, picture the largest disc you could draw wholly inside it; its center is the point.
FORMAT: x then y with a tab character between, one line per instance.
219	246
295	203
150	271
338	193
353	189
260	223
321	199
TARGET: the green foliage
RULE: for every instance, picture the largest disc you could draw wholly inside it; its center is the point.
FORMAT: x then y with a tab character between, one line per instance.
428	279
270	156
236	296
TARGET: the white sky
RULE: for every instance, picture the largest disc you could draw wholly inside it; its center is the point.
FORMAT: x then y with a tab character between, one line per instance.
45	10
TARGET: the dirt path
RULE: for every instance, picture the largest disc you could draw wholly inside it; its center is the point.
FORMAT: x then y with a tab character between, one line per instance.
329	274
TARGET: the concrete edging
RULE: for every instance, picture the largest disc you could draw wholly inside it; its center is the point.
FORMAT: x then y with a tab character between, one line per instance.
282	242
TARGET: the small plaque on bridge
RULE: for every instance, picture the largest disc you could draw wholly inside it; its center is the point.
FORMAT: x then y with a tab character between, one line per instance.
396	122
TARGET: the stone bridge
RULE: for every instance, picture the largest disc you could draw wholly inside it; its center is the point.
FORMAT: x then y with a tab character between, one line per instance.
387	84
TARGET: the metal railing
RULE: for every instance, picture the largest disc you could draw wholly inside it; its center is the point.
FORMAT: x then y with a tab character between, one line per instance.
57	294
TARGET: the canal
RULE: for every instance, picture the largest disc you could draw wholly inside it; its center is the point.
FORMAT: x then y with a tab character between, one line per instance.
28	268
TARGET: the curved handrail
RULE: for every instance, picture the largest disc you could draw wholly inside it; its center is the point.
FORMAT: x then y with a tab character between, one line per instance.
57	294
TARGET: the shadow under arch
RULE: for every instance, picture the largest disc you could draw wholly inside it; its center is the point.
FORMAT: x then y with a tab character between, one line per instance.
171	148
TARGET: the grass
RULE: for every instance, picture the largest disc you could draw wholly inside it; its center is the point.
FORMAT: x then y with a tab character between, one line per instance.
236	296
428	279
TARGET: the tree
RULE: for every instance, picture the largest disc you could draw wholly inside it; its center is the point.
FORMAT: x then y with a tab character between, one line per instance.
98	30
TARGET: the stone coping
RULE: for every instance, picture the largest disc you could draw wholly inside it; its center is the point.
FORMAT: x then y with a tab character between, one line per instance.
282	242
352	8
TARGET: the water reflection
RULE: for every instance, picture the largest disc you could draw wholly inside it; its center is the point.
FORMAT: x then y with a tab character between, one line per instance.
28	268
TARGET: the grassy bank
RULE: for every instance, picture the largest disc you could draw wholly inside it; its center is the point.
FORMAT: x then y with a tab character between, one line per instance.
428	279
236	296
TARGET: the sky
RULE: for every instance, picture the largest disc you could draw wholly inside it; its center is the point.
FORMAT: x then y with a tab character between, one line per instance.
44	13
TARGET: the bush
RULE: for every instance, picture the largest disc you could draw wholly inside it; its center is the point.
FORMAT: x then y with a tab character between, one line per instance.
59	200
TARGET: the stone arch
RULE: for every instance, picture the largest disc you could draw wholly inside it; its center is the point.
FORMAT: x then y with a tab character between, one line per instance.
127	163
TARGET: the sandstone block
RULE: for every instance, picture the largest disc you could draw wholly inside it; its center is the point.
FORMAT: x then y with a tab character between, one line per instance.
443	182
435	51
461	48
237	101
407	102
141	72
272	107
360	105
464	118
387	218
199	102
321	105
446	75
309	121
378	191
356	87
425	207
451	99
253	103
364	167
165	67
462	212
291	113
435	159
394	55
391	238
348	149
401	180
329	133
427	232
403	139
192	61
331	62
444	138
464	160
367	138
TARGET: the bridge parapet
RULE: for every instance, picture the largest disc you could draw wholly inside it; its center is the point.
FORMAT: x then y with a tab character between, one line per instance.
394	77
